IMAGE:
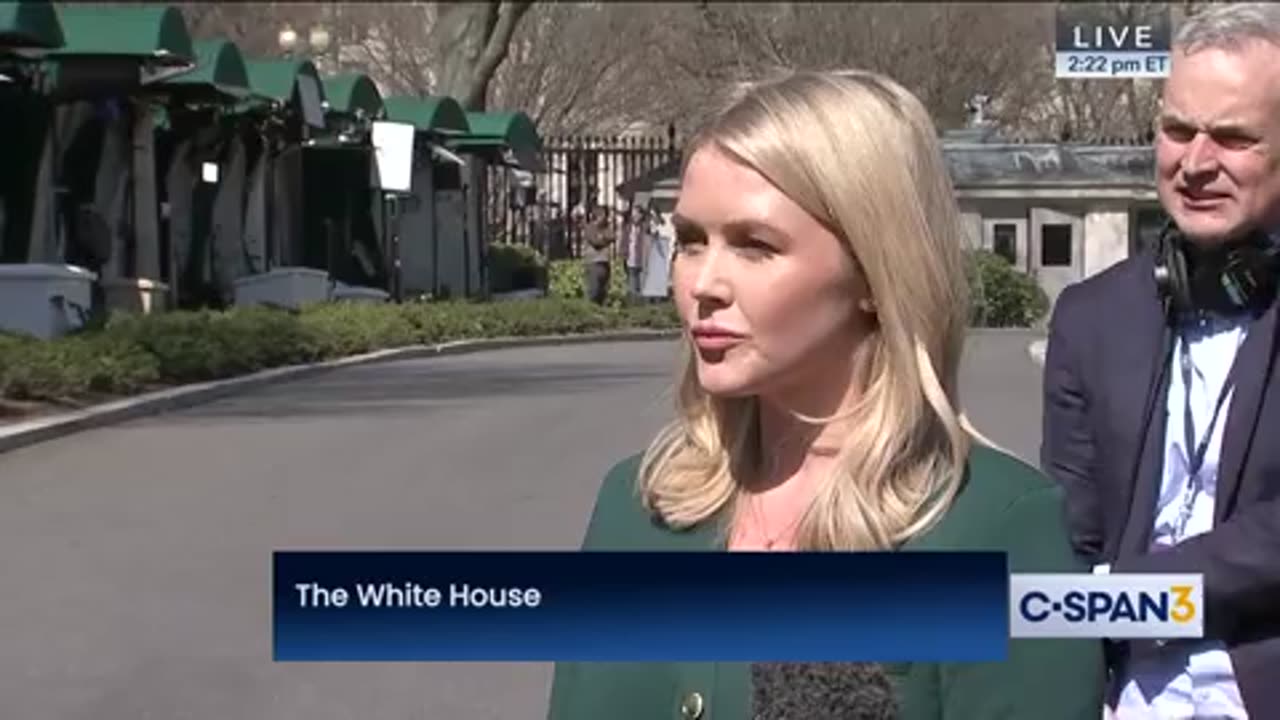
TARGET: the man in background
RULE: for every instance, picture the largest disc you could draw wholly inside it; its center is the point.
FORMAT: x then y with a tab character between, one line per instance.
1162	399
597	237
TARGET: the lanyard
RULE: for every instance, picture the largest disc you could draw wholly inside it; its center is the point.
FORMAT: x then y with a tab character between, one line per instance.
1196	456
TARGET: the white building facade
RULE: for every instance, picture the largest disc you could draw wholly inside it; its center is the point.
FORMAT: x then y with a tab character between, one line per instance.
1058	212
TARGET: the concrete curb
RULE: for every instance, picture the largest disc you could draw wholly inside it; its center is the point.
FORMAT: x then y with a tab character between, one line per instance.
1036	350
42	429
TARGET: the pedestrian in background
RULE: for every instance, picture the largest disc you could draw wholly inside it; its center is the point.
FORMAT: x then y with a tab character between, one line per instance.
597	238
634	248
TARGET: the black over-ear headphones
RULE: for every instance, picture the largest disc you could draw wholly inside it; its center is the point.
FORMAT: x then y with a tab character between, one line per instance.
1240	276
1236	277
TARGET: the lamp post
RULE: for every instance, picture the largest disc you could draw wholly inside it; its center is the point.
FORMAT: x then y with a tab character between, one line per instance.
287	39
292	45
316	42
319	39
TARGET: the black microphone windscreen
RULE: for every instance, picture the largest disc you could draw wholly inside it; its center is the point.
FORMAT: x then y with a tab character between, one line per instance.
821	691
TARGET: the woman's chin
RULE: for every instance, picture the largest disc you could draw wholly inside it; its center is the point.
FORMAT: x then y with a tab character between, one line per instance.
725	383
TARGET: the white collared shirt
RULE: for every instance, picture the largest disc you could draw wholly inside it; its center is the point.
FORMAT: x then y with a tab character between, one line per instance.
1189	679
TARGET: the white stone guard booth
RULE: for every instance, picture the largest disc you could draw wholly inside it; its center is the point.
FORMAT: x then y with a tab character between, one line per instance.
1060	212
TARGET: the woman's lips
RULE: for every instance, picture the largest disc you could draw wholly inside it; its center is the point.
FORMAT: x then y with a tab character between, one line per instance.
714	338
716	342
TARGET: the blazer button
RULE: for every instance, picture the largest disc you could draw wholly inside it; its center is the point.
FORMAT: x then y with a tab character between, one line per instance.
692	707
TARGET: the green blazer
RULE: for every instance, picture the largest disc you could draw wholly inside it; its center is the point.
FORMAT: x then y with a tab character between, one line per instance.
1004	505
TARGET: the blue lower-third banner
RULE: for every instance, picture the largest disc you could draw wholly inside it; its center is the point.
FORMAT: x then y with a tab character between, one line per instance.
640	606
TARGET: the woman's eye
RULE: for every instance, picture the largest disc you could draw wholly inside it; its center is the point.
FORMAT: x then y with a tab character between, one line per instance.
756	247
687	245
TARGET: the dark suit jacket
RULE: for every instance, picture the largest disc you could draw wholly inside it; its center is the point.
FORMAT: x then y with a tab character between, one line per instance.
1004	505
1105	371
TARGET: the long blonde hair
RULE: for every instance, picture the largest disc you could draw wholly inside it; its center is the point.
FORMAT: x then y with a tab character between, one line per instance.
859	153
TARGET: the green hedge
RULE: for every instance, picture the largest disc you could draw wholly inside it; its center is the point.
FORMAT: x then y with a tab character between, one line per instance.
134	353
515	267
1003	296
567	281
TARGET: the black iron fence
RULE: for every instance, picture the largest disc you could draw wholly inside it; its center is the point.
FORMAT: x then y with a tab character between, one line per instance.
547	210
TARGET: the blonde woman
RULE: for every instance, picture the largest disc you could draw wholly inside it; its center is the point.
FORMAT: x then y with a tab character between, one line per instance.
820	278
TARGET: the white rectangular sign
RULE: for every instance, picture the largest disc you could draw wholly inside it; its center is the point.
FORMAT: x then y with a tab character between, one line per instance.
1106	606
1096	41
393	156
1112	65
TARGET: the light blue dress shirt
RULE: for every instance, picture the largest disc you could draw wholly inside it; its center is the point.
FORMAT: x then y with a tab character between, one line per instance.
1189	679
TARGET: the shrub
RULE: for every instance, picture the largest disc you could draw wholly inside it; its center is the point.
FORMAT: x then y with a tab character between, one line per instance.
185	345
435	322
568	281
561	317
565	279
129	353
351	328
656	316
1003	296
515	267
206	345
75	365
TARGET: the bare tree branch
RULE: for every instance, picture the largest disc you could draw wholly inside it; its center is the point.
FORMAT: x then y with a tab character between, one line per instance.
580	67
471	40
601	68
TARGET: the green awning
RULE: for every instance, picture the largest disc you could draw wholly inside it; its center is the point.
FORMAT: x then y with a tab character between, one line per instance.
29	24
351	93
513	131
278	79
432	114
156	33
219	68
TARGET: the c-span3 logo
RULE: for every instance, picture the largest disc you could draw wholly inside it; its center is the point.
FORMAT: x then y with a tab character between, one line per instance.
1106	606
